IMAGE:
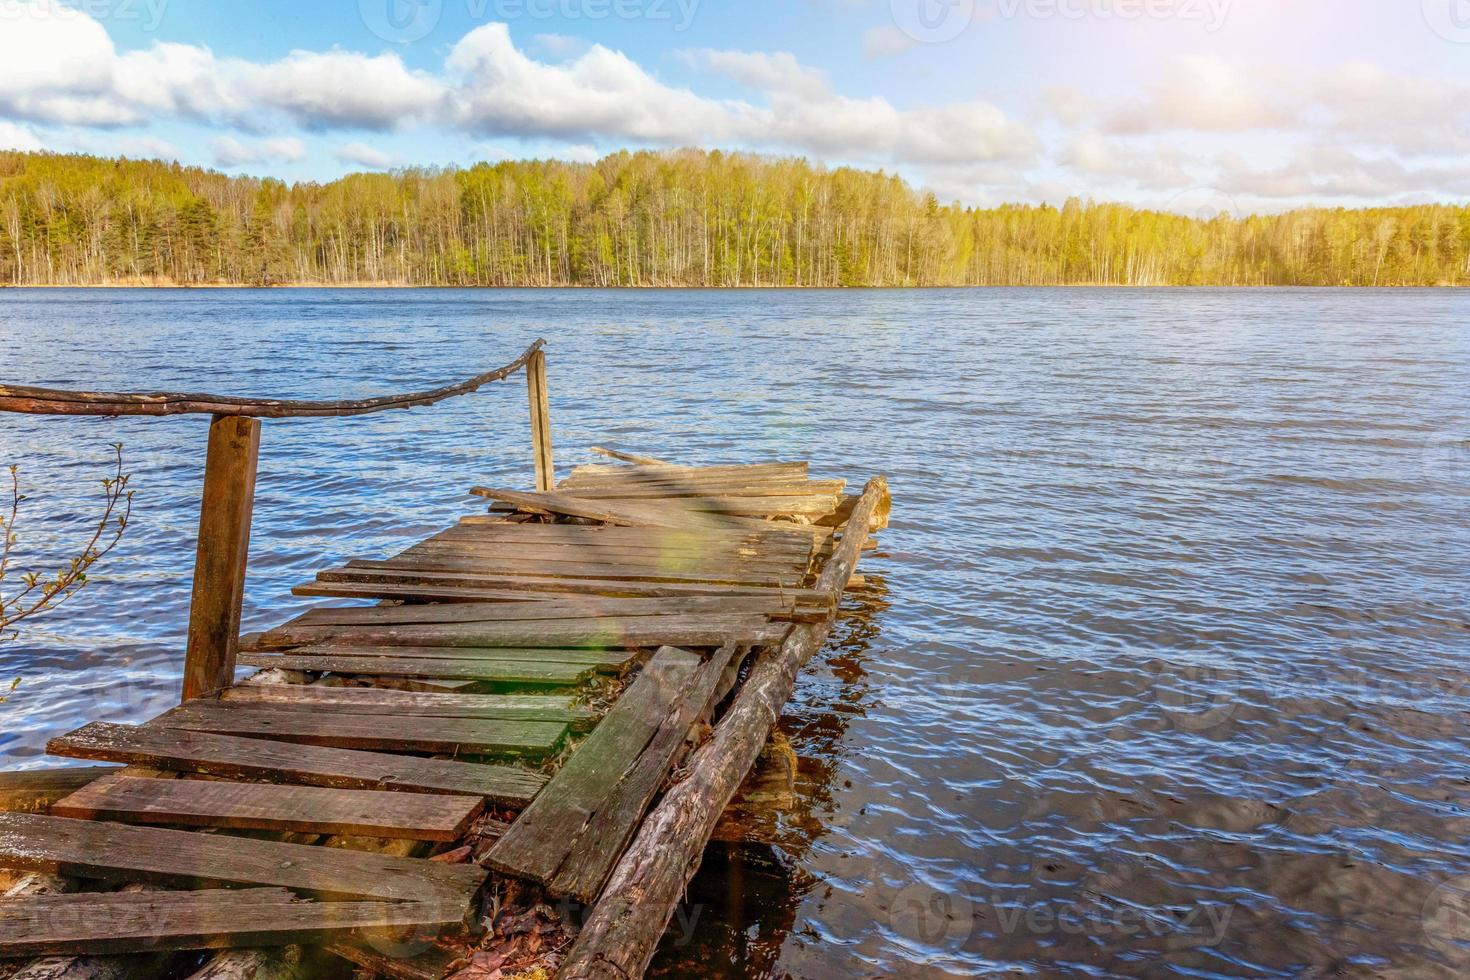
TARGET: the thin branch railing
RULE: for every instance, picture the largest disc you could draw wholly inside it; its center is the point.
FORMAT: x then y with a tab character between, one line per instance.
228	498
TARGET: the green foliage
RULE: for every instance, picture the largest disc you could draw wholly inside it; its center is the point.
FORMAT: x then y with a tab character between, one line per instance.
683	218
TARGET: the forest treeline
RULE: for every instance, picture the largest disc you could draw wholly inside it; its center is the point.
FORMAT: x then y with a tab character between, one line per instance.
679	218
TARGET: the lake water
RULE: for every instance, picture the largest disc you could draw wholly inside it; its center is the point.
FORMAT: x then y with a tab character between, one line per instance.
1164	668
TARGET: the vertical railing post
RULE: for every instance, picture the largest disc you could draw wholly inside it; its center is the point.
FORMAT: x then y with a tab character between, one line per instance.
224	546
540	422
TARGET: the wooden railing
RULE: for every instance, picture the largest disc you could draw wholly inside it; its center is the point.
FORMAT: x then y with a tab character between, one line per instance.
228	497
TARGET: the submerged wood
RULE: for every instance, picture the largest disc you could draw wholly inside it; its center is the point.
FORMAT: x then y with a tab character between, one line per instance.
54	401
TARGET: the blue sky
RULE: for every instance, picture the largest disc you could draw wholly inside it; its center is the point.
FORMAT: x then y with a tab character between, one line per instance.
1194	105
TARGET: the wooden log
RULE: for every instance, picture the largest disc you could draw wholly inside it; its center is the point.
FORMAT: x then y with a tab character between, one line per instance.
620	936
224	545
231	756
540	421
33	792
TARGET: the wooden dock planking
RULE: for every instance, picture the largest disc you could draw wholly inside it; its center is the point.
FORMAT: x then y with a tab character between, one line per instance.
510	672
377	700
33	792
119	852
149	922
769	576
606	834
337	729
607	633
462	587
266	806
232	756
489	612
537	844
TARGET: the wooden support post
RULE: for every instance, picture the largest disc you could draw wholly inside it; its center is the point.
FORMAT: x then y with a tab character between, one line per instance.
540	421
224	545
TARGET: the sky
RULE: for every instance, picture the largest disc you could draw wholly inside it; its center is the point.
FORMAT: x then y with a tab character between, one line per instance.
1196	106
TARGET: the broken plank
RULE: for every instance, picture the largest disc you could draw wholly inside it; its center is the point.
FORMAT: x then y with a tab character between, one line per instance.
267	806
34	791
118	852
453	736
538	842
487	671
137	922
601	842
232	756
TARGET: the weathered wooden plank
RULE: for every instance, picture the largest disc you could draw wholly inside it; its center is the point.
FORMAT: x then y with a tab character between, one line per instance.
376	700
488	671
232	756
266	806
628	632
490	528
606	834
506	552
613	512
540	420
534	569
627	457
137	922
605	661
455	736
539	841
785	470
451	587
33	792
590	608
118	852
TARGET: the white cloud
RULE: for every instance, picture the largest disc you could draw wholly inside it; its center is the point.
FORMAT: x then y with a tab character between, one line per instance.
230	152
16	137
1206	94
342	89
363	155
886	41
777	73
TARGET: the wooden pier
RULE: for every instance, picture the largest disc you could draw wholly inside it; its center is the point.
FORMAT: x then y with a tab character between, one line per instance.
563	693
